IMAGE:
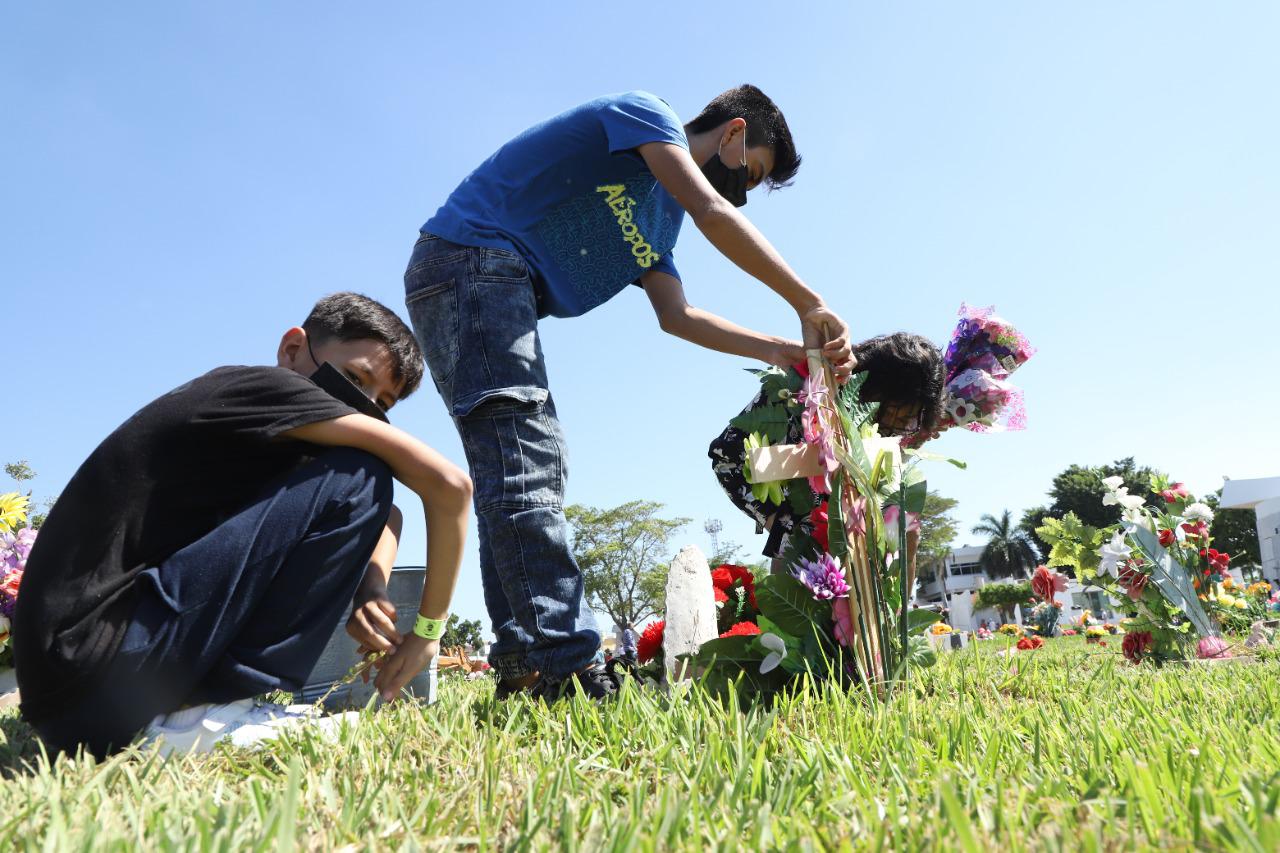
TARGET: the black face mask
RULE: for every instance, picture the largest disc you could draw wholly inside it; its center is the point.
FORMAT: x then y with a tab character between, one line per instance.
332	380
730	183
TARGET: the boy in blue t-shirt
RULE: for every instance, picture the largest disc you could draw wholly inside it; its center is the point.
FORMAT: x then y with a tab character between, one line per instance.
556	222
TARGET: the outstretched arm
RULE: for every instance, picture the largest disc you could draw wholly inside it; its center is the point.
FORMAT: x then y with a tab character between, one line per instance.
445	490
677	317
740	241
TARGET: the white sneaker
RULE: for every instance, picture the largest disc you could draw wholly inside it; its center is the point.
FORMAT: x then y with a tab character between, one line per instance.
244	724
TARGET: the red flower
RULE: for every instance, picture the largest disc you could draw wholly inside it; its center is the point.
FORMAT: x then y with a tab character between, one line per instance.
1167	538
818	518
1198	530
1218	561
650	642
1046	582
742	629
720	595
1133	581
1027	644
1136	645
725	577
801	367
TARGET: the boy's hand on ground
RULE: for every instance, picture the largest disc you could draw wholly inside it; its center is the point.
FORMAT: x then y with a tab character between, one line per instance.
823	328
400	666
373	622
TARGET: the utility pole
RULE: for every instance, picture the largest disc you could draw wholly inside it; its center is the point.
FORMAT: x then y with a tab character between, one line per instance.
713	528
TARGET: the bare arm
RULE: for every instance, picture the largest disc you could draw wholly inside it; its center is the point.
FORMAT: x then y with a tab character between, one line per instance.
677	317
740	241
373	617
445	490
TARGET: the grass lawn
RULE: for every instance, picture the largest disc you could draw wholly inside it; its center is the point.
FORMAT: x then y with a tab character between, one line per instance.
1064	747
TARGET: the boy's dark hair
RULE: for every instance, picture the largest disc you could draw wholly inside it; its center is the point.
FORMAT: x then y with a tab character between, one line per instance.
765	126
352	317
903	368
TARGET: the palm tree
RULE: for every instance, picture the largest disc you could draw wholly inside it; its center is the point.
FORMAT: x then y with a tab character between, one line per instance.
1009	552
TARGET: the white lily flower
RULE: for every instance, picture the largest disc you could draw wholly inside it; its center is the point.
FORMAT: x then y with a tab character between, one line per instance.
777	651
1131	502
1198	512
1113	483
1137	517
1113	553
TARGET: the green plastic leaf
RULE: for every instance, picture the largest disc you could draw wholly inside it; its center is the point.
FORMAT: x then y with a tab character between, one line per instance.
770	421
919	620
837	539
934	457
739	651
800	497
789	604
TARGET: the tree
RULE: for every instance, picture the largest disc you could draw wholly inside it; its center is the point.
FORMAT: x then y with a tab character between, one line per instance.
1004	597
937	529
1009	551
20	472
622	554
461	632
1079	489
1235	532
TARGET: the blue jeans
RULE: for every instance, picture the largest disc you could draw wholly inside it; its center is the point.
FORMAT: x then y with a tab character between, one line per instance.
244	610
475	313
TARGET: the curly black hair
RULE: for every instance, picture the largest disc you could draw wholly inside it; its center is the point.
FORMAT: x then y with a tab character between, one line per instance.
903	368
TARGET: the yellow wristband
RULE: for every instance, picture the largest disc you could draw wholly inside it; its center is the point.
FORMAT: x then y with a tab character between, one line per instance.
429	629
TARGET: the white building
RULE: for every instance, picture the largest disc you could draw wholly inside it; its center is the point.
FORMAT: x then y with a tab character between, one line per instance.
1263	497
955	582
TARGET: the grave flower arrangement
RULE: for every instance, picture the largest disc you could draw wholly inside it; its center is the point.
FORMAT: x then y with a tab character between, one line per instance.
840	501
1158	564
16	540
1045	586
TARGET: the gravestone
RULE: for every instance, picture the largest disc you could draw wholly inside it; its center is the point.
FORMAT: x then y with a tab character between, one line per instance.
339	655
691	606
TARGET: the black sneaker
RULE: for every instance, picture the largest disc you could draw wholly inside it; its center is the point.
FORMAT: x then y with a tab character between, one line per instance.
596	681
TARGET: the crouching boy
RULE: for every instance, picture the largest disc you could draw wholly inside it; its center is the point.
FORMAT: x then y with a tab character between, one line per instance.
204	551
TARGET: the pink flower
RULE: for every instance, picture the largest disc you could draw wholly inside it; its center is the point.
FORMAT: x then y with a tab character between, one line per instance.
817	429
891	519
1213	647
855	515
843	622
1175	493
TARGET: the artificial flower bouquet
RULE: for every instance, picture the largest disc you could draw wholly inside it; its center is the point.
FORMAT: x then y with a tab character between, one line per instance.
1158	564
805	460
16	539
1045	586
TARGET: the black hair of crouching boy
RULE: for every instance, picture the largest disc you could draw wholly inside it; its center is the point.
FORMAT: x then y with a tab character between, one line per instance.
352	316
903	368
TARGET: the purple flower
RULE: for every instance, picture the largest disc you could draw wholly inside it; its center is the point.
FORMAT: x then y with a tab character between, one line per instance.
15	548
823	577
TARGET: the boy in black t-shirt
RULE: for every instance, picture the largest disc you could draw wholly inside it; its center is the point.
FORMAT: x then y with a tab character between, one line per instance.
202	553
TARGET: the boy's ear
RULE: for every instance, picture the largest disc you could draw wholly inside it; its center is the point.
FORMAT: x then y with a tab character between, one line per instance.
732	128
292	349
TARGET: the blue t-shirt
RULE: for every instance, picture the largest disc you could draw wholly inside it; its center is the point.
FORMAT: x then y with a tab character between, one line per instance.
573	198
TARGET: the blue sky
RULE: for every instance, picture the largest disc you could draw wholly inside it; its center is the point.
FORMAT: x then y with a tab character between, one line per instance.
183	181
